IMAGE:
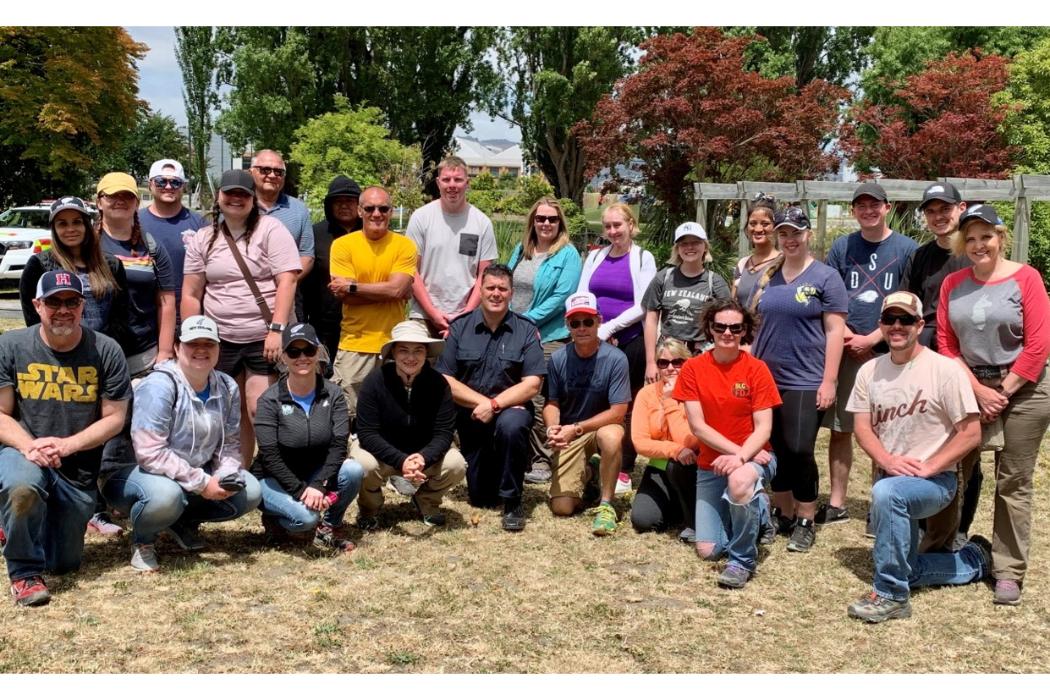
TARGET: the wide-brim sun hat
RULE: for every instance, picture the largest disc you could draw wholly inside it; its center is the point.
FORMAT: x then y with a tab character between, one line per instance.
412	332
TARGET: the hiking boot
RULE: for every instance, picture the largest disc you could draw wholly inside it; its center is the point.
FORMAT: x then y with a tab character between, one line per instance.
623	483
325	538
872	607
783	523
144	558
367	522
767	532
402	485
984	547
435	519
187	536
802	537
30	592
828	513
538	475
101	523
734	576
604	520
514	519
687	535
1007	592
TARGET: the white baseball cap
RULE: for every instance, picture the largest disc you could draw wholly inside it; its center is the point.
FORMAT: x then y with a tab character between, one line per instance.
690	228
197	327
158	168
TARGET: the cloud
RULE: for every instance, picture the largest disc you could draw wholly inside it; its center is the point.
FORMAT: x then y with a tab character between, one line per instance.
160	79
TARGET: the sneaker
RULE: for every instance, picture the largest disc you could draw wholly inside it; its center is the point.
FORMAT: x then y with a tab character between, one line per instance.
869	528
802	537
187	536
734	576
872	607
514	519
144	558
30	592
101	523
367	522
784	524
402	485
1007	592
767	532
828	513
623	483
687	535
984	547
325	538
538	475
604	520
436	519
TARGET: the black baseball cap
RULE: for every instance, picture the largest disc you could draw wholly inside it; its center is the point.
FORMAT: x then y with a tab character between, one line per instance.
300	331
870	189
983	212
55	281
70	202
237	180
793	217
942	192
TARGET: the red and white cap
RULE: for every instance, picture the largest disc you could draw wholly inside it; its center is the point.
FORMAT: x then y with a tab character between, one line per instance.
581	303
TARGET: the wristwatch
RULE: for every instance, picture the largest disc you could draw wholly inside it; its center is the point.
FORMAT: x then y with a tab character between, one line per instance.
351	288
276	327
496	408
579	429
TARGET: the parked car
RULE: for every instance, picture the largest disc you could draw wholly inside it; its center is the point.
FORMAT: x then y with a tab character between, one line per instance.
24	231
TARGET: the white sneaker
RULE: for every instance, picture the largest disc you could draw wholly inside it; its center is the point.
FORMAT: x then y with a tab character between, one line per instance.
623	483
144	558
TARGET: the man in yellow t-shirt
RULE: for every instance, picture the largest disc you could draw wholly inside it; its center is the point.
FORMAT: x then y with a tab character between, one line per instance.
372	272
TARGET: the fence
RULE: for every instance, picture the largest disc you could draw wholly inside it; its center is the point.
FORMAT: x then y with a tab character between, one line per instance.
1022	190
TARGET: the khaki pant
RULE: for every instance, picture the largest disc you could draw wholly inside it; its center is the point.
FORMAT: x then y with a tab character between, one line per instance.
349	371
440	478
941	528
570	471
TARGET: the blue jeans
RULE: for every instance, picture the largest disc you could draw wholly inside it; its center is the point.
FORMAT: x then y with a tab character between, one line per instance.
294	516
897	504
732	527
43	516
154	502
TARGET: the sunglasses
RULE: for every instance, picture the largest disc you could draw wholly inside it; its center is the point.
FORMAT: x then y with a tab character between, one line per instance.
585	322
165	182
383	208
677	363
294	353
70	303
905	320
734	328
545	219
267	170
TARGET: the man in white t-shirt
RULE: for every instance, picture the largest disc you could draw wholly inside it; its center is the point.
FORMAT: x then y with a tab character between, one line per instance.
455	243
916	417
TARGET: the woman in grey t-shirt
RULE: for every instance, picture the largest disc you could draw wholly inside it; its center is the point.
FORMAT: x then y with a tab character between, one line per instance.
748	270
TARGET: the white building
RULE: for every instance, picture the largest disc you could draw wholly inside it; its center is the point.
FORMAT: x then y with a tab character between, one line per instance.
481	158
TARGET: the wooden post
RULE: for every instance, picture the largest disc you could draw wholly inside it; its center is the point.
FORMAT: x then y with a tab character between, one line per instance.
1022	221
743	246
701	206
822	228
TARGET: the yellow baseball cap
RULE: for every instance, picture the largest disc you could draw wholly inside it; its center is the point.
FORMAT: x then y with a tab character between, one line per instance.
111	183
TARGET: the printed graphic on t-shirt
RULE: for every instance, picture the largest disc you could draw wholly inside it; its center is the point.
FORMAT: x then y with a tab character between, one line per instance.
44	382
871	276
805	292
898	404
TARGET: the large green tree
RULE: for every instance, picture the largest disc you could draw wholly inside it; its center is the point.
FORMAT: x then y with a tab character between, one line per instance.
198	57
153	137
834	54
66	94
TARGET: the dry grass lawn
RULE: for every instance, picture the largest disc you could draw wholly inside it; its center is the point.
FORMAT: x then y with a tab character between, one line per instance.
473	599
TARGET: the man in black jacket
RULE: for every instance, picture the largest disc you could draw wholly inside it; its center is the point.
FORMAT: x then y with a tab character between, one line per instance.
405	421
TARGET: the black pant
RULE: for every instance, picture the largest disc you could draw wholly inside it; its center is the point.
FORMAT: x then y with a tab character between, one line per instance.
665	498
497	455
635	352
795	426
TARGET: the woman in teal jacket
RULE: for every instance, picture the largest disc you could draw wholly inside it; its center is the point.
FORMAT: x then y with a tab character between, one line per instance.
546	271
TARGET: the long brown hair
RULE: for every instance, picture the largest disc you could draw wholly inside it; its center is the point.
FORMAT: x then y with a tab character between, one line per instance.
250	224
100	276
530	238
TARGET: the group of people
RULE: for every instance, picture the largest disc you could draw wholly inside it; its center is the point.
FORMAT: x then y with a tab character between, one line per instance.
316	363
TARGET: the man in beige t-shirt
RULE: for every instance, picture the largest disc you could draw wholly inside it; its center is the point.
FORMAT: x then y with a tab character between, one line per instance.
916	417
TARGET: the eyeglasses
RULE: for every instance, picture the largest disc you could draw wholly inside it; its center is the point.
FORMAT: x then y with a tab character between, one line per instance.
585	322
734	328
383	208
267	170
294	353
165	182
677	363
545	219
70	303
905	320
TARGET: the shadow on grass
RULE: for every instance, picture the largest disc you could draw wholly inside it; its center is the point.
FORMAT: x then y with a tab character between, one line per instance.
856	560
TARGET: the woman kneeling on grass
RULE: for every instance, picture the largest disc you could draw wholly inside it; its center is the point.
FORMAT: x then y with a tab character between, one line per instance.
729	399
185	427
302	426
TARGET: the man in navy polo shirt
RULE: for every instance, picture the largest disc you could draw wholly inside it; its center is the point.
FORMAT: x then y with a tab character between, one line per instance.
494	363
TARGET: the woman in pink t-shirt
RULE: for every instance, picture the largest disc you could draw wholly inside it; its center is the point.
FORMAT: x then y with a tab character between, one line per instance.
214	282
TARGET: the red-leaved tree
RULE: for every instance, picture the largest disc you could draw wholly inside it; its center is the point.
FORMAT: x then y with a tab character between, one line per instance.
943	122
692	112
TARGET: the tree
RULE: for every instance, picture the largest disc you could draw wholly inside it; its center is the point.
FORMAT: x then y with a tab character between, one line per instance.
834	54
153	137
555	77
942	121
197	54
66	94
693	112
352	142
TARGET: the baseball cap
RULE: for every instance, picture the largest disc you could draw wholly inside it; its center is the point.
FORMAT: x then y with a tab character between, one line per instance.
690	228
870	189
983	212
197	327
237	180
55	281
793	217
300	331
941	191
64	203
158	168
906	301
111	183
582	303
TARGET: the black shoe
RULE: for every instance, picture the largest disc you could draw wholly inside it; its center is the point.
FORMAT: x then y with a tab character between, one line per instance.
767	533
828	514
803	536
514	519
783	523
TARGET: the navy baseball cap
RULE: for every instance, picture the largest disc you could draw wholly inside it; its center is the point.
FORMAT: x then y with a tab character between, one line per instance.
55	281
70	202
983	212
793	217
300	331
940	191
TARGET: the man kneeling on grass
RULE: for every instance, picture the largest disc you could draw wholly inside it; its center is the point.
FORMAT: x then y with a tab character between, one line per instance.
588	391
916	416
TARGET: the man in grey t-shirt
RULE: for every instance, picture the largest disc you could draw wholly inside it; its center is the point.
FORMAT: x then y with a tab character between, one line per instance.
456	243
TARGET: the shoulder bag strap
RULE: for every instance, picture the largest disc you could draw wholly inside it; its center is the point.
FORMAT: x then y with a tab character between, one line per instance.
259	299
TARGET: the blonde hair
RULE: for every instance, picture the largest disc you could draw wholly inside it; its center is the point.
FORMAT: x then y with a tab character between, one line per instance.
451	163
676	259
674	347
529	238
627	214
959	238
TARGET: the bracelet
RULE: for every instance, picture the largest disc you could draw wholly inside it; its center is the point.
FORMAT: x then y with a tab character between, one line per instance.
495	405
